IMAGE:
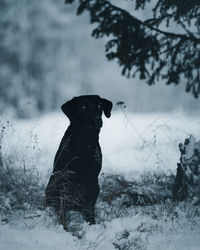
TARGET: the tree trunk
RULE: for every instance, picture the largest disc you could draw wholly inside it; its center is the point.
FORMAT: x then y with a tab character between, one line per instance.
187	182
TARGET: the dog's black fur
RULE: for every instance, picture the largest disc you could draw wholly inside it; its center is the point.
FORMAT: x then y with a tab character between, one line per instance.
73	184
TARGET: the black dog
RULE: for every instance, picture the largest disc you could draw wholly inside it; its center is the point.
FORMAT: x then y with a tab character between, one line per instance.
73	184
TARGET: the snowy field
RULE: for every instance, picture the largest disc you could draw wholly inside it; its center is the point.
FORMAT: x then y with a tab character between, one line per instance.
132	144
129	142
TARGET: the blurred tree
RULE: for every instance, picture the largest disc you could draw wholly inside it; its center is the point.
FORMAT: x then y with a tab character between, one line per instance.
164	47
34	62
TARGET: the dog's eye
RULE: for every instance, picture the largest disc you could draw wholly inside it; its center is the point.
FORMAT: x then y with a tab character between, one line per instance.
99	106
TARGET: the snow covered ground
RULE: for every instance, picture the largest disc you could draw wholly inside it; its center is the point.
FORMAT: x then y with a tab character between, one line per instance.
131	144
136	232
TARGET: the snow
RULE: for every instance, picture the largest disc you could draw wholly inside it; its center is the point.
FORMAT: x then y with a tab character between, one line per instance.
144	232
36	239
131	144
173	241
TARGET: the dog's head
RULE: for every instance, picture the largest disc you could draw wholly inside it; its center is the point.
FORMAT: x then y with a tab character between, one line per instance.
86	111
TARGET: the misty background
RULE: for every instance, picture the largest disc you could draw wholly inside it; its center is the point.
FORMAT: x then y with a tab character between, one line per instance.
48	56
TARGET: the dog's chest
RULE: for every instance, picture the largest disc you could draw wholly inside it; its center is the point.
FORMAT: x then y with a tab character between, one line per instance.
87	149
80	147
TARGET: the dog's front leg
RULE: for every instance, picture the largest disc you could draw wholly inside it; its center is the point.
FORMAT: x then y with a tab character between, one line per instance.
88	214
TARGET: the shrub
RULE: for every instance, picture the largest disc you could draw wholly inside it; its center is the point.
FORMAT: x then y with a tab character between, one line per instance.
150	189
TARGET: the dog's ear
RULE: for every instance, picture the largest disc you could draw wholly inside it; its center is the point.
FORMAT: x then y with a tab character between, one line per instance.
68	108
107	107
